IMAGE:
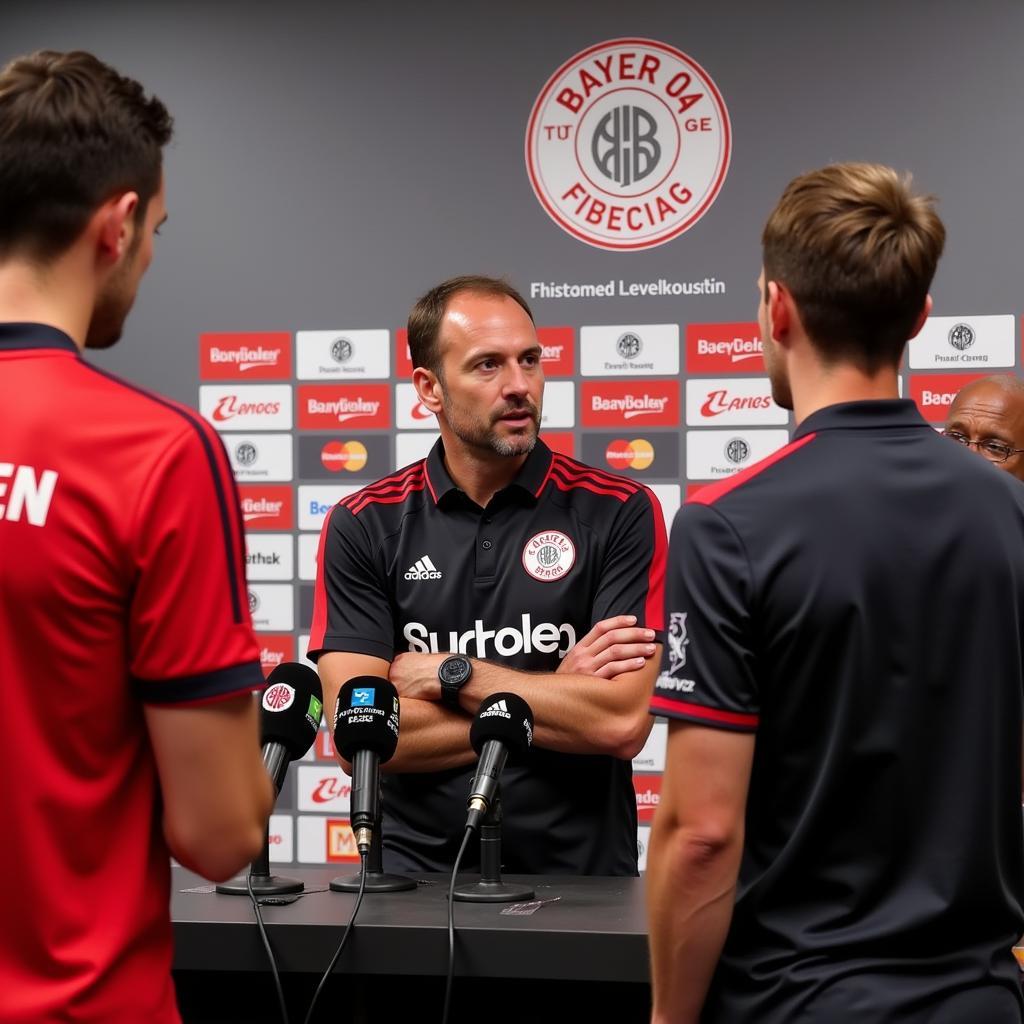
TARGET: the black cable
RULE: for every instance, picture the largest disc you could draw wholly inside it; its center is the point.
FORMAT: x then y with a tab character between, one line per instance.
266	946
344	938
451	929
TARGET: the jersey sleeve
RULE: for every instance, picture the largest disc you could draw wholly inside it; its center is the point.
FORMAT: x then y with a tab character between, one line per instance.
351	610
190	633
707	673
633	575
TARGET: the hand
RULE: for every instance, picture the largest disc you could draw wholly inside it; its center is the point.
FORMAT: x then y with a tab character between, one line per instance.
613	646
415	675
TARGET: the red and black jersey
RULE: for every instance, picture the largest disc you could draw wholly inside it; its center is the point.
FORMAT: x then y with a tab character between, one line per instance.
410	563
857	599
121	582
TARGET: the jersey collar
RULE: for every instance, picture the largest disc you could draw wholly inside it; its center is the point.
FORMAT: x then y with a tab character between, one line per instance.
874	413
28	335
526	485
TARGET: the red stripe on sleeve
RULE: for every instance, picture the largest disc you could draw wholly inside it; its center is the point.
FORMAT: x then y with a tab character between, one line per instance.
682	707
654	609
318	627
710	494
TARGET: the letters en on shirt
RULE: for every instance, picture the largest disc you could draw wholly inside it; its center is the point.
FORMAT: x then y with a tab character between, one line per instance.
26	493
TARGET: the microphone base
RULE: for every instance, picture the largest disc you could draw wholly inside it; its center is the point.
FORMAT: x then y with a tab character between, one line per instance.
376	881
492	892
262	885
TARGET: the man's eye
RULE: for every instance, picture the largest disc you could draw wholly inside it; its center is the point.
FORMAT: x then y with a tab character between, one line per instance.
995	448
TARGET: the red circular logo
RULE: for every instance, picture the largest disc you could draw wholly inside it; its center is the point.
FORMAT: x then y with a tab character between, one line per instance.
628	144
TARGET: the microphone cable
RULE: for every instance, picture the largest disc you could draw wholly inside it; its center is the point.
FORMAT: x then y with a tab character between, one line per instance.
267	947
451	927
344	938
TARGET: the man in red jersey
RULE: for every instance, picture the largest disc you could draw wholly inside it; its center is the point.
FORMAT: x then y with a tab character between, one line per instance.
839	835
127	658
476	571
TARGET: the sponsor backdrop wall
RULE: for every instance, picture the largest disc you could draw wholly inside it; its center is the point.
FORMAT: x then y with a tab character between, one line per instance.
614	161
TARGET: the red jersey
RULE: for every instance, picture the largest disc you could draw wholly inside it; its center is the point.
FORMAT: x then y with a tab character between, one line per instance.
121	583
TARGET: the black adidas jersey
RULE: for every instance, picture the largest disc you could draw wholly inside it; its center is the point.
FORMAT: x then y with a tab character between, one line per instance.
410	563
857	599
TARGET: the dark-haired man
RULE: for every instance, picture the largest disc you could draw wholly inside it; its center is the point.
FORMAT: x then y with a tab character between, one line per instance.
839	833
988	415
126	651
539	575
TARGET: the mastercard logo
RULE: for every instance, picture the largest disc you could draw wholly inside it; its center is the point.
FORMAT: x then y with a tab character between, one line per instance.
339	455
638	454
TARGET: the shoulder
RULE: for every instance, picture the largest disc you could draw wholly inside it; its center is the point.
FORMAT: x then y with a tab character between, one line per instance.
387	500
588	484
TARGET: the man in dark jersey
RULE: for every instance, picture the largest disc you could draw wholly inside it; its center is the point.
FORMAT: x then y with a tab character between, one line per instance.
127	658
839	834
988	415
540	575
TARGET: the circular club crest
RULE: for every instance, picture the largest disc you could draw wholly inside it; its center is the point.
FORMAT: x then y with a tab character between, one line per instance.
737	450
628	144
278	697
341	350
549	556
961	337
246	453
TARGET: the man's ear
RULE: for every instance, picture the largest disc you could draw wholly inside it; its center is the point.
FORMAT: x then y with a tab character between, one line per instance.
114	226
781	311
428	388
926	311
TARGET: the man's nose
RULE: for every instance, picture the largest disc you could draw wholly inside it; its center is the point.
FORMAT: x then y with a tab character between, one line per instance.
516	380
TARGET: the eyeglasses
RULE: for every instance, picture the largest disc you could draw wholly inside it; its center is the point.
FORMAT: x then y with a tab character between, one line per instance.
994	451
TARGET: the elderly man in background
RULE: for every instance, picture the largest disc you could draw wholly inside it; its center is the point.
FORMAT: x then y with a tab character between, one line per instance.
988	415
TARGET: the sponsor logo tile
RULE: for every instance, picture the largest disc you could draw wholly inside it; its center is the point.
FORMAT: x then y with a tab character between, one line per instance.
724	348
328	406
259	457
967	342
267	506
246	356
729	401
714	454
342	355
631	350
247	406
645	403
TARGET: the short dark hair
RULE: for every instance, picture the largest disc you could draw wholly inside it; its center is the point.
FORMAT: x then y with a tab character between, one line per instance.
858	250
426	316
73	133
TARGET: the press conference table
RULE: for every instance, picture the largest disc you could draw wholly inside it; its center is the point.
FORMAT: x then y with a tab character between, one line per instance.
587	946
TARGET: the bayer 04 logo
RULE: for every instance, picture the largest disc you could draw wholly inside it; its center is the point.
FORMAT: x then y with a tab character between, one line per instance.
628	144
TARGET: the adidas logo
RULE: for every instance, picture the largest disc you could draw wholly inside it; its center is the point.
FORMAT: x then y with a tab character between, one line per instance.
497	710
423	569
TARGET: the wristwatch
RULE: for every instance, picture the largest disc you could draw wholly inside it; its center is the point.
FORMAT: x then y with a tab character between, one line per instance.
454	673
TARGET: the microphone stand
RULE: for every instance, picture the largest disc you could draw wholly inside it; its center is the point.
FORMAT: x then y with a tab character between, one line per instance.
377	879
490	888
263	882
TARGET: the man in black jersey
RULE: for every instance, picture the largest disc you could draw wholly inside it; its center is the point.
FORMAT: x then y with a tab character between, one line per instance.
497	565
839	835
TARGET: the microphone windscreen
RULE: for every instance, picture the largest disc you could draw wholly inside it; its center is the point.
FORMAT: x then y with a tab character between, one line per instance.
505	717
291	708
367	718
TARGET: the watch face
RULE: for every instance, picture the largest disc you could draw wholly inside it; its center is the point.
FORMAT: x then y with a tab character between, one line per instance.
454	670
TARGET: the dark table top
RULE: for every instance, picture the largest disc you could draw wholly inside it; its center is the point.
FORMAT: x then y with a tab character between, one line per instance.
594	929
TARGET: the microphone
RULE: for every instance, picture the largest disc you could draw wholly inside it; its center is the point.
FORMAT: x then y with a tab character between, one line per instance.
366	734
290	715
503	726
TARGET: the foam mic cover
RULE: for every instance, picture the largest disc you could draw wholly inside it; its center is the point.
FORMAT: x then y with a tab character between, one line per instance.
504	717
366	718
291	708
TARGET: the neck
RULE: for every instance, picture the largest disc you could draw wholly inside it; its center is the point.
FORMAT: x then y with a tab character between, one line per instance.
54	295
815	386
480	474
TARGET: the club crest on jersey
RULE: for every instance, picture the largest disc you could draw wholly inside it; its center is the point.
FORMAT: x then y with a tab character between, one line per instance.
549	556
677	641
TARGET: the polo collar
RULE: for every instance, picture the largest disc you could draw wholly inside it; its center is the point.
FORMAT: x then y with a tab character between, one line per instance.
871	414
15	336
527	483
